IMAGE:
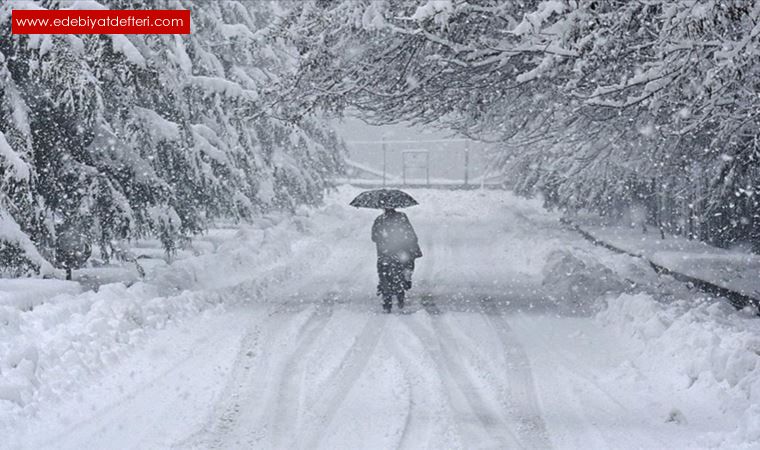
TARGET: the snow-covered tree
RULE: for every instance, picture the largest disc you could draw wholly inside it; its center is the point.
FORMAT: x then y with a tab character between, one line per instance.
123	136
600	104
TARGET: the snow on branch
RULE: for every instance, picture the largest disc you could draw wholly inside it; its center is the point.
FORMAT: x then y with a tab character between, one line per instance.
217	85
15	168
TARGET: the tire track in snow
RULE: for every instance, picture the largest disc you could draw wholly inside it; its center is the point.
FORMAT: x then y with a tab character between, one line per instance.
454	377
284	405
351	367
224	415
428	410
487	421
274	423
254	398
520	409
522	403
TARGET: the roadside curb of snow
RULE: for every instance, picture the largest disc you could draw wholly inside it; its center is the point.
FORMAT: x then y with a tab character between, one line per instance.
737	299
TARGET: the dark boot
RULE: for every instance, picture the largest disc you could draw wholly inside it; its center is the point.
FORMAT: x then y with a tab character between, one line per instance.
401	296
387	303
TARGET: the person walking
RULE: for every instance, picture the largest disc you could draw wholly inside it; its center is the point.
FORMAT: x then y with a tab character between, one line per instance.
396	242
397	248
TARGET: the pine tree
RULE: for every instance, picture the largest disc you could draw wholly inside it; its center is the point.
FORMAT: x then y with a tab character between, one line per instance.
107	138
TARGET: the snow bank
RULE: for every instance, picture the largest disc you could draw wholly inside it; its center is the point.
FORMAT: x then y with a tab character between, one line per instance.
704	351
253	251
26	293
48	351
55	347
574	279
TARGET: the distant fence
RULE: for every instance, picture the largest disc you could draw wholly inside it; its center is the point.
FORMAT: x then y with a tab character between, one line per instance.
433	184
364	175
435	163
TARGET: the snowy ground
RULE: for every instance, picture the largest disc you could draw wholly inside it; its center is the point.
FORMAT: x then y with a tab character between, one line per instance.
519	334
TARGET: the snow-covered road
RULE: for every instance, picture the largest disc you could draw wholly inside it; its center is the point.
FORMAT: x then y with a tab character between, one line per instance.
481	357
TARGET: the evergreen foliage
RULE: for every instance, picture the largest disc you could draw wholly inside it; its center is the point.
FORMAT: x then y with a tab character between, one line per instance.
125	136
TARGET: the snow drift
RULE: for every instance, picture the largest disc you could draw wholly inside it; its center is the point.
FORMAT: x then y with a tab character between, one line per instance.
704	350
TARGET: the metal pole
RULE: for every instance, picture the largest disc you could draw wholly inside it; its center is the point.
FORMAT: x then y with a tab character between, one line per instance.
427	168
384	160
466	163
403	167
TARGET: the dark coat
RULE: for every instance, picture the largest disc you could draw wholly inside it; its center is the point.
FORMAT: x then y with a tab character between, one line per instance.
394	237
397	248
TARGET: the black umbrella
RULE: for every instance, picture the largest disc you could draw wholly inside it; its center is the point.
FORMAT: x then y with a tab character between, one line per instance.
383	198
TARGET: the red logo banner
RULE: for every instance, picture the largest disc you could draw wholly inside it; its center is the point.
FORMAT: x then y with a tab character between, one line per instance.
96	21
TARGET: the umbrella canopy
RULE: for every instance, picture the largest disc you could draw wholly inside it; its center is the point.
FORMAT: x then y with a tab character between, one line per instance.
383	198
